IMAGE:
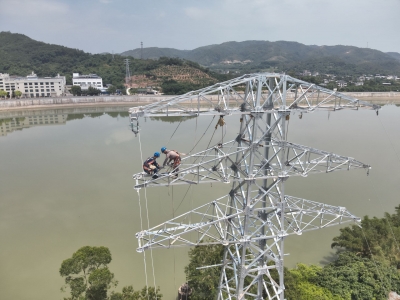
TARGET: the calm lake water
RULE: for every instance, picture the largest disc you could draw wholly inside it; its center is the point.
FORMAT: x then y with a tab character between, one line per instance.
68	183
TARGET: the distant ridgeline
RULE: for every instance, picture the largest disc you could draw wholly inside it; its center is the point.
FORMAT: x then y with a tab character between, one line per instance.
175	71
283	56
20	55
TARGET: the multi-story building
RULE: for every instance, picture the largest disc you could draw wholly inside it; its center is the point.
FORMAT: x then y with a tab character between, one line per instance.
33	86
85	81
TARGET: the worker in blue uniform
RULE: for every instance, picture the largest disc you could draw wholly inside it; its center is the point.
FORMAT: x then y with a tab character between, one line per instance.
150	166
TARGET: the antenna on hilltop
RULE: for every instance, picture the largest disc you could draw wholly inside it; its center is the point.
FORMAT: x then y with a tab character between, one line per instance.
141	50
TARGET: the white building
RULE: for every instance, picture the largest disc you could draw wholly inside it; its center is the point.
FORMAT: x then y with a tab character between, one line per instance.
33	86
85	81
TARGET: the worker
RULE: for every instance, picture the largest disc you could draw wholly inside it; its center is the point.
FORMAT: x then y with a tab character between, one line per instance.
171	156
150	166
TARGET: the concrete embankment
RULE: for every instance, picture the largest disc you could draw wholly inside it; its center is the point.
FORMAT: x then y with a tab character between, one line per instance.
42	103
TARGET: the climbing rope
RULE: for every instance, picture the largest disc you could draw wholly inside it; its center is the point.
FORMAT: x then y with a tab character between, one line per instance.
202	135
144	253
184	196
387	219
374	189
174	131
173	216
372	257
221	123
388	137
195	137
148	226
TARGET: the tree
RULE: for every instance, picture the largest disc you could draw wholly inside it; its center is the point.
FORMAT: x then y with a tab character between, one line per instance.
111	89
87	272
76	90
300	284
204	281
378	238
3	94
133	91
92	91
17	94
128	293
354	277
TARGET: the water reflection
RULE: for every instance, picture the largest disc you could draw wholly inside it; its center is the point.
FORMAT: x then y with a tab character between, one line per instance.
14	121
11	121
171	119
8	126
69	186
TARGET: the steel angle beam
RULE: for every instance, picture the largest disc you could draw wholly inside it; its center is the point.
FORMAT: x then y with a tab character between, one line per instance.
310	96
220	164
218	222
278	91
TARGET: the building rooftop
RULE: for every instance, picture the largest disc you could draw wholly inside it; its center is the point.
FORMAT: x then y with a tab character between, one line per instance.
77	76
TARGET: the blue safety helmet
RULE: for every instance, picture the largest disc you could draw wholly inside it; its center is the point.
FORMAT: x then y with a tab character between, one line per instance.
156	154
163	149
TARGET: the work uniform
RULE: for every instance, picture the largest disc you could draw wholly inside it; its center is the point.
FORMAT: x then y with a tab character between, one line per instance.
150	166
172	155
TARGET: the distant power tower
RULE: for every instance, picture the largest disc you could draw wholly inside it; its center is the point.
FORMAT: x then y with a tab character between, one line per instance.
141	50
128	73
256	215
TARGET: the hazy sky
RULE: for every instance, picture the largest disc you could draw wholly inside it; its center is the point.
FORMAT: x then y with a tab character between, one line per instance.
119	25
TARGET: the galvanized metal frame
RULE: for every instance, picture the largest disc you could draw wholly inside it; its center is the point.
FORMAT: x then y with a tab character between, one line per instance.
254	218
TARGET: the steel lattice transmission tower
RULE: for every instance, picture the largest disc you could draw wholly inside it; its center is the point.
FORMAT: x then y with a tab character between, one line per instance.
127	72
256	215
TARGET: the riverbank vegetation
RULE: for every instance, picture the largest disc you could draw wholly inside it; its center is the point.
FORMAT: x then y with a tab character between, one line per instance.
366	266
87	277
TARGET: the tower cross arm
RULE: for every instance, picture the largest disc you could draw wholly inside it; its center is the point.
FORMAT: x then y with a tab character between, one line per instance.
220	163
252	93
212	224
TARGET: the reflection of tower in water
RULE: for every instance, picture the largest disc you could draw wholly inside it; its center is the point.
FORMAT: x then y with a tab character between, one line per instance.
127	72
135	127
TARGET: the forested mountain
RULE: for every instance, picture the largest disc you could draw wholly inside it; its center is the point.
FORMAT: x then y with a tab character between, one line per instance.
283	56
396	55
20	55
179	71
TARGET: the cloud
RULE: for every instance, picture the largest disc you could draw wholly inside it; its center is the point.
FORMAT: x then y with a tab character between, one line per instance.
119	137
28	8
195	13
182	24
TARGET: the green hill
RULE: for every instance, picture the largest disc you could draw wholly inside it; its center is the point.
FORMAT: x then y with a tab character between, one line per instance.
284	56
179	71
20	55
